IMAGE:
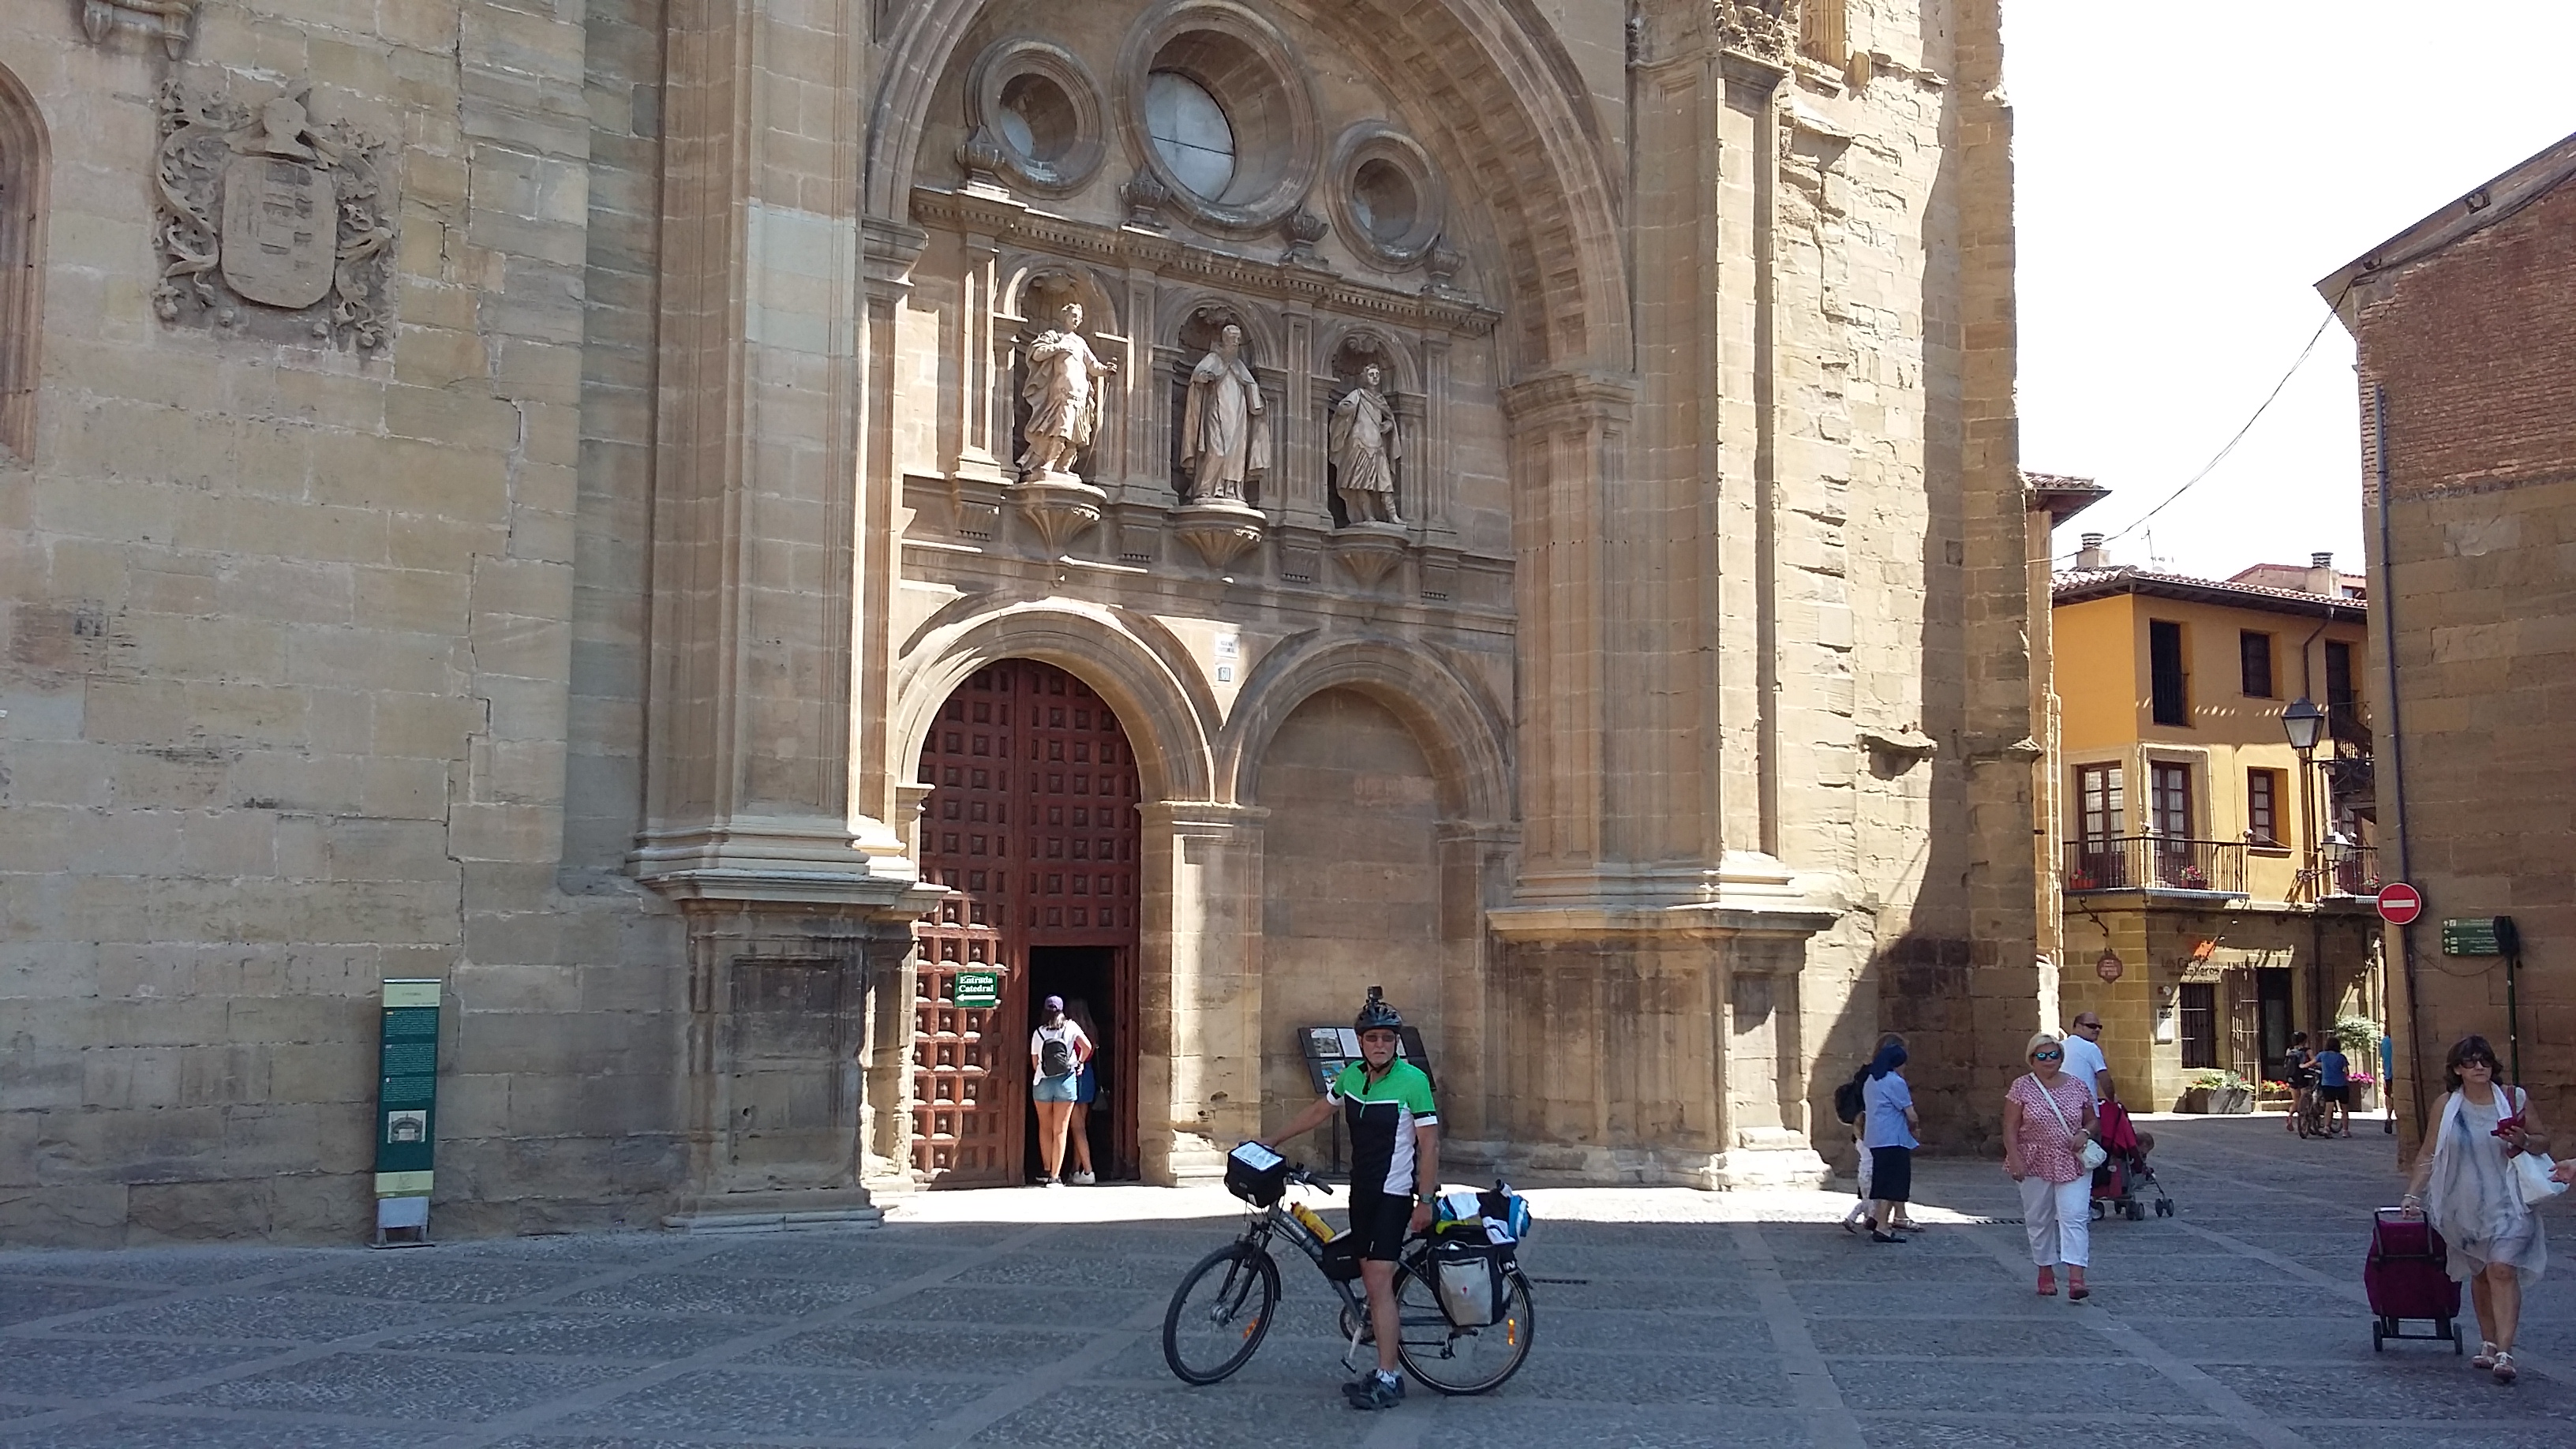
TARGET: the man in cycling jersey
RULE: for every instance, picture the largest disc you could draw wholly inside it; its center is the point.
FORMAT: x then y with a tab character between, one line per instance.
1395	1174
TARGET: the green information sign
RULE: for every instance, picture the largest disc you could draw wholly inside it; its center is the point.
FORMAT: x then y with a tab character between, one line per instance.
2471	936
976	990
406	1105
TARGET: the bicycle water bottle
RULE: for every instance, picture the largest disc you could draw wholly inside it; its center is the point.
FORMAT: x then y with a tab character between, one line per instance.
1311	1221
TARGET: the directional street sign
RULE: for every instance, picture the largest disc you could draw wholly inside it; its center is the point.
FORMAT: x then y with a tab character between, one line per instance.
2471	936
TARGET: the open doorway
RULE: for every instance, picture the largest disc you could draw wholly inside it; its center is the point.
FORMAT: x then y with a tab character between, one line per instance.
1090	979
1031	824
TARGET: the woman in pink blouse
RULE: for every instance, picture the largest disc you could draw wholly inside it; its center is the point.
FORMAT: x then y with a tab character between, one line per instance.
2048	1117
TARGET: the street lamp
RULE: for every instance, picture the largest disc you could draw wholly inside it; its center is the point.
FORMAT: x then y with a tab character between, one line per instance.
2304	723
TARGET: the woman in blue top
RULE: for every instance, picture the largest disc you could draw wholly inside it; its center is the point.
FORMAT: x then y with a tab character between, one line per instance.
1888	1124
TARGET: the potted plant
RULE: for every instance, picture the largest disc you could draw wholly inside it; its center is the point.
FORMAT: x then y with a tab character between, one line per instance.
2363	1084
2219	1093
2192	878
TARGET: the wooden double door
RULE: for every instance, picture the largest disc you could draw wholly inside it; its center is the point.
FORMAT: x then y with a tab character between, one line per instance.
1032	824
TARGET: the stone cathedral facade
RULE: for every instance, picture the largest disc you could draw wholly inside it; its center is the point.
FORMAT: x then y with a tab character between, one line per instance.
719	532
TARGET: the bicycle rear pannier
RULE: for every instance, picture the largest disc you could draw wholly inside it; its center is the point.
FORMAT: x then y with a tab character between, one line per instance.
1256	1174
1472	1276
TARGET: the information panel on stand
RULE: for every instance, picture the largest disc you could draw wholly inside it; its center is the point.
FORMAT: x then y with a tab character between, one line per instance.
406	1106
1328	1049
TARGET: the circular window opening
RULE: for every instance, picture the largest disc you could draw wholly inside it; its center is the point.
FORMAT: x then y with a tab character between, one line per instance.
1038	119
1190	132
1384	201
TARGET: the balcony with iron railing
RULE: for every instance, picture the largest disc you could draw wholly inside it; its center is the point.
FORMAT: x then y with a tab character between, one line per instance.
2353	870
2155	863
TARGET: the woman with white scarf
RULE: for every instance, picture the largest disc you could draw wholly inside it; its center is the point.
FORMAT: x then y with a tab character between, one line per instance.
2468	1186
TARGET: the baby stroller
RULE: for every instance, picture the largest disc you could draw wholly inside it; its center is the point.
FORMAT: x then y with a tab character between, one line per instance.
2406	1278
2118	1182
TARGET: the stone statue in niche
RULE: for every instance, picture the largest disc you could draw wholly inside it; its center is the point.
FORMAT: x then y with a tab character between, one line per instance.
1061	389
1225	435
1365	447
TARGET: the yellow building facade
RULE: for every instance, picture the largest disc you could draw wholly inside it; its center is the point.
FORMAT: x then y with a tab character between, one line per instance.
2217	883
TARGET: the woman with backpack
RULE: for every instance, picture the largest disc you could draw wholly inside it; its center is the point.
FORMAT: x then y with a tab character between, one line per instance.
1851	1108
1057	1050
1887	1134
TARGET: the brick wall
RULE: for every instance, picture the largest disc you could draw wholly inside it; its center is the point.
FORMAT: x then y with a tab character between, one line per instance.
2474	350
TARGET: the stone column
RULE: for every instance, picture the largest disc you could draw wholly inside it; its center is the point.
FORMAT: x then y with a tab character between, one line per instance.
757	585
1995	599
1199	983
770	573
1476	862
1654	928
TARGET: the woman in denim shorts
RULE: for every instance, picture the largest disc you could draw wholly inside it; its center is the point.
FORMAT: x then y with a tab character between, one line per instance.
1053	1092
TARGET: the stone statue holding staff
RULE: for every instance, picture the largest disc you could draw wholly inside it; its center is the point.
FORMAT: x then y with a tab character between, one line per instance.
1063	396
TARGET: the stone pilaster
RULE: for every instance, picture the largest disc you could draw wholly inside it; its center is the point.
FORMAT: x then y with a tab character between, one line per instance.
1199	1061
766	611
765	787
2001	751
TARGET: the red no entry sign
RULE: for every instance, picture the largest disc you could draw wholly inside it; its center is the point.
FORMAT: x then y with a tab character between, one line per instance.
2400	903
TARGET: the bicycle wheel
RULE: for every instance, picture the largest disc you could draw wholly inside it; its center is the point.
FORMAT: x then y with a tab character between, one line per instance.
1460	1360
1219	1313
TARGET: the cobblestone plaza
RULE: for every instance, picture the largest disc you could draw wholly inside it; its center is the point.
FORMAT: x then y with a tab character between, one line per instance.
1667	1318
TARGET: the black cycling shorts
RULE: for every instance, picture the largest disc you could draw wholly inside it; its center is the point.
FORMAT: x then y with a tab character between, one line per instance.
2342	1094
1380	1219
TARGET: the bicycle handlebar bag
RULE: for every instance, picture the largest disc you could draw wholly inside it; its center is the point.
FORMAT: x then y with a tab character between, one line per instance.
1256	1174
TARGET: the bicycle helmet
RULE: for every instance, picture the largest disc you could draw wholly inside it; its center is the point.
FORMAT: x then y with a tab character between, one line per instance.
1376	1015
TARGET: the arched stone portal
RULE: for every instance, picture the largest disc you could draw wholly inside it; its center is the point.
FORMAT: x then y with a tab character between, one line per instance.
1030	823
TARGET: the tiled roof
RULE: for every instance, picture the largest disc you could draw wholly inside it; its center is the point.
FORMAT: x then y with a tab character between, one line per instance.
2260	574
2077	585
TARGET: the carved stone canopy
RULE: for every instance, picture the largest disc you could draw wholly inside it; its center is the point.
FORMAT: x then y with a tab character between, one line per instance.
1442	305
1764	29
171	20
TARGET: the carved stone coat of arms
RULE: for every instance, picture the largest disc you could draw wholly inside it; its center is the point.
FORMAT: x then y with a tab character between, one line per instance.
263	206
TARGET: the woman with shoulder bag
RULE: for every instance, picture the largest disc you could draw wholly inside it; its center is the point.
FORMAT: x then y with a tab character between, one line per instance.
2049	1149
2488	1164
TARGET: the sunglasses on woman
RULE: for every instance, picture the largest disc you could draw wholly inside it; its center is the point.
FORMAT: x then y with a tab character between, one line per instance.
2048	1056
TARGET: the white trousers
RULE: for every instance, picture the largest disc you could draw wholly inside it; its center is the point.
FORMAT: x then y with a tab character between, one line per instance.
2060	1218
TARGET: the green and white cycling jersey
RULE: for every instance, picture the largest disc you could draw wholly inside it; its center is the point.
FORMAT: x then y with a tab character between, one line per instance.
1382	1115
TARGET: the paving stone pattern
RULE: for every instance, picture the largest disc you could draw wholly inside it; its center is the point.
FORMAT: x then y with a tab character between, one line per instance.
1667	1319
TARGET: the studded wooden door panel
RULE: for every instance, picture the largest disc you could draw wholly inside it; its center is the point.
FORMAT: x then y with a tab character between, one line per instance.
967	1090
1031	822
1080	885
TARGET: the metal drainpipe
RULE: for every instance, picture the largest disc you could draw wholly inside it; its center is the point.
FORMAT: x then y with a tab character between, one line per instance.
2385	605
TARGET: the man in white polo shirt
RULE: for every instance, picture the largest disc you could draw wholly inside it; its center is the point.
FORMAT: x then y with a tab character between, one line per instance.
2084	1060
